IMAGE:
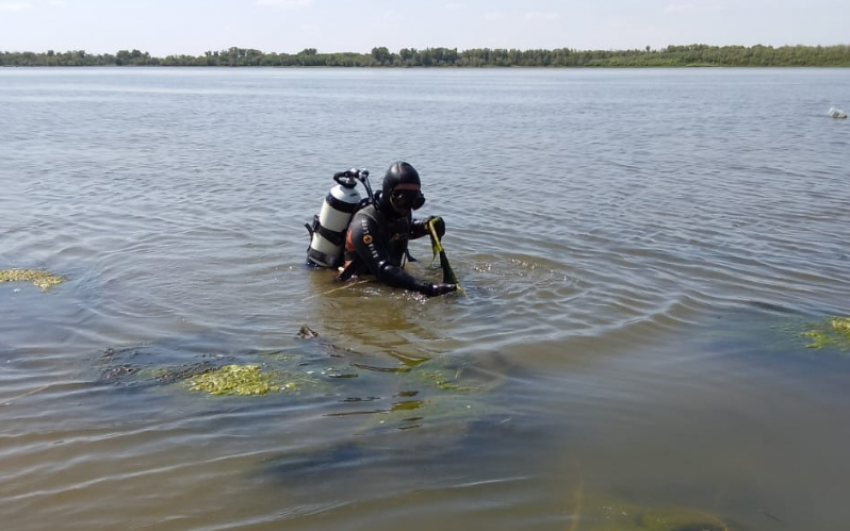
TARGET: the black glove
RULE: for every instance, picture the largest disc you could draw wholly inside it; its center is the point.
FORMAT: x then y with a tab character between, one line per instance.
435	290
439	225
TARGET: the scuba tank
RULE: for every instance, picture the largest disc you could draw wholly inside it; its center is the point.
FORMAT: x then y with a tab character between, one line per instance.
327	233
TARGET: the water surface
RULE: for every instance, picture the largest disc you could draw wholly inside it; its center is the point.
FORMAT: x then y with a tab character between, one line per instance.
640	250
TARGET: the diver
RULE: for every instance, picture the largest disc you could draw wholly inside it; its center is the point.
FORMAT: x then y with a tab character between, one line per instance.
377	236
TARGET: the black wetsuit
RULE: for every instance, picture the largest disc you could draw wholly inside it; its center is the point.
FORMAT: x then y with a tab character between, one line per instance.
376	244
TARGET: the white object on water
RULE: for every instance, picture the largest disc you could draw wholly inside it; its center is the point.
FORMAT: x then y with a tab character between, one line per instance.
837	113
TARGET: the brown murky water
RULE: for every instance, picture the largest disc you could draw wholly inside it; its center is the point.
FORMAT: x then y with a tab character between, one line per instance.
640	252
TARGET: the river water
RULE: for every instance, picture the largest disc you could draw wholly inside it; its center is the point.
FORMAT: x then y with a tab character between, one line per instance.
640	252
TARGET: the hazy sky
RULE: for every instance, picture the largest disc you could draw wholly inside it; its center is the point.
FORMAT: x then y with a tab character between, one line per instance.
194	26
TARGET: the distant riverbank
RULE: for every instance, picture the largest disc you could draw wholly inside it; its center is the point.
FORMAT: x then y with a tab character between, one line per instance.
693	55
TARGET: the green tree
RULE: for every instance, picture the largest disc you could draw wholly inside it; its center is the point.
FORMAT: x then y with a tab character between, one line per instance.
381	55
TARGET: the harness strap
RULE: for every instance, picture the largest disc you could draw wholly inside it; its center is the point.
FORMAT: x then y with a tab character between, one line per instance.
335	237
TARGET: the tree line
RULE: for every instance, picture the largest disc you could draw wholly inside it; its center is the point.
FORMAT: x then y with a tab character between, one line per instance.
671	56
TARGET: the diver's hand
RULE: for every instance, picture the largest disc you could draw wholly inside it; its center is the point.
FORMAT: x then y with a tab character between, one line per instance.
439	225
435	290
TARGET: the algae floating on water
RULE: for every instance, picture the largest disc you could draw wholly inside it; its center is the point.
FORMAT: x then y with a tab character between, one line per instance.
249	380
834	332
240	380
39	277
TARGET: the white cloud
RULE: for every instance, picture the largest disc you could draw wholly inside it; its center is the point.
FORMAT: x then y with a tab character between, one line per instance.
56	3
539	15
494	16
15	6
286	4
454	6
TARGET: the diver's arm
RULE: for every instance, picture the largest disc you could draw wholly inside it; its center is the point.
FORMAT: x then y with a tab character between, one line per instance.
419	227
367	244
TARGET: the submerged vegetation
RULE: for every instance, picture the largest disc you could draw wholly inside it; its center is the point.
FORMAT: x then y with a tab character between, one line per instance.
834	332
600	513
613	515
243	380
252	379
279	372
671	56
234	380
443	379
41	278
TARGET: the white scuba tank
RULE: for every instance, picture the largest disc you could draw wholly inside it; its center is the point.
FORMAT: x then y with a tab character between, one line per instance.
331	224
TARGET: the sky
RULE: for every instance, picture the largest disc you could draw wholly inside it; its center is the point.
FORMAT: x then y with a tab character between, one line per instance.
195	26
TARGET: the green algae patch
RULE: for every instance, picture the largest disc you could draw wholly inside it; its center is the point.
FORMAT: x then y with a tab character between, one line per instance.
443	379
243	380
841	325
39	277
624	516
834	332
679	519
